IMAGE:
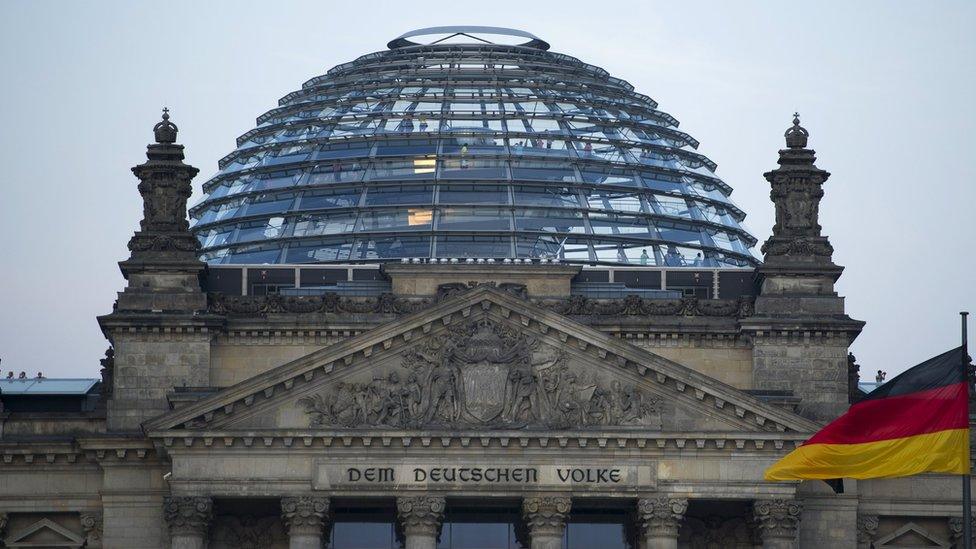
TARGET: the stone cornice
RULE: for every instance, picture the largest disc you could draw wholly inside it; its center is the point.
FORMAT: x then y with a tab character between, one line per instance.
89	449
773	443
693	388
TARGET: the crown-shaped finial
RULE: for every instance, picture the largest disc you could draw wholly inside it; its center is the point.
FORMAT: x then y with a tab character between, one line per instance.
796	135
165	131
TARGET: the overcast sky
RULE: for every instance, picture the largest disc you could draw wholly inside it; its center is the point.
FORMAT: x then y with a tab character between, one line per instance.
886	89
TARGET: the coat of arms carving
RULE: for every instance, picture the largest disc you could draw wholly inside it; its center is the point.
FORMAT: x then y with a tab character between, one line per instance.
488	375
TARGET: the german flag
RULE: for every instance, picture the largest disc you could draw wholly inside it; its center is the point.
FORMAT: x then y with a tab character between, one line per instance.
916	423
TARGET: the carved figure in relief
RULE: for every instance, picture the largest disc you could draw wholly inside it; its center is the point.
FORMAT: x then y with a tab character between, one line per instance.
482	375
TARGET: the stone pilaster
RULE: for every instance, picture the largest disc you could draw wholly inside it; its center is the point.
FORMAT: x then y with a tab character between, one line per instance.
546	516
956	530
188	519
159	327
421	518
799	329
659	520
778	522
867	530
305	520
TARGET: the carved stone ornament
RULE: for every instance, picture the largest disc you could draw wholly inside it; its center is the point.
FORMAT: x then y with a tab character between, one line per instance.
421	515
388	303
956	527
248	532
777	518
188	515
867	529
546	515
108	372
304	514
483	374
661	516
91	523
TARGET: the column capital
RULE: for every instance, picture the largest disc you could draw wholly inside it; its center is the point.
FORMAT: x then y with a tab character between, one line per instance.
304	515
661	516
546	514
421	515
867	529
188	515
777	518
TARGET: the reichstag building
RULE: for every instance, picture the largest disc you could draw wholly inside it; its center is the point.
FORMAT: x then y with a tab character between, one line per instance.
461	293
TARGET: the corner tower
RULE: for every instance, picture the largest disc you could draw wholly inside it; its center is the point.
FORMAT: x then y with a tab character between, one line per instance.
159	325
800	330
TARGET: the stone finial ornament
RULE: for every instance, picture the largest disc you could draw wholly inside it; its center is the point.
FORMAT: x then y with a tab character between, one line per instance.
796	135
165	131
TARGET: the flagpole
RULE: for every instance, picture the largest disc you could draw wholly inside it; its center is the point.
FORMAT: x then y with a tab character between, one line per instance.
967	496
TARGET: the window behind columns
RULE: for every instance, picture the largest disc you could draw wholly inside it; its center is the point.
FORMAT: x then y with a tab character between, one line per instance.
356	527
477	527
599	526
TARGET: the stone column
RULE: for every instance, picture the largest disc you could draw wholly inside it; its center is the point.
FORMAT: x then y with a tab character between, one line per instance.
659	519
546	517
304	518
777	521
188	518
421	518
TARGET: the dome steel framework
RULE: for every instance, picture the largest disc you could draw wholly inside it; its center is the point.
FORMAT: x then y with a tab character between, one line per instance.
460	150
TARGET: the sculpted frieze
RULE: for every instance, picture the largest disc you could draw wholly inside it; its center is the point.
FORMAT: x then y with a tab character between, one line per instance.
388	303
485	375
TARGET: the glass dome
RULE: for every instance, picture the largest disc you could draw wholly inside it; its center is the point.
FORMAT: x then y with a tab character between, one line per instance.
466	148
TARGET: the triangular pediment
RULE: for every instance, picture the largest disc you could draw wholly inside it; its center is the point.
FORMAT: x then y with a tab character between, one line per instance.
44	533
911	535
484	360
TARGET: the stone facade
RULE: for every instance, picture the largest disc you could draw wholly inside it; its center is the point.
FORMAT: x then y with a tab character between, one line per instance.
269	421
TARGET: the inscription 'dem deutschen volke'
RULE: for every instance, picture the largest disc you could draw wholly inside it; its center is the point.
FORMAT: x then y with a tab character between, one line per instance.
489	475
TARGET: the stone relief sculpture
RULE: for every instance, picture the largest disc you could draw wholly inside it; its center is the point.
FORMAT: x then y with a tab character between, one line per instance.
483	375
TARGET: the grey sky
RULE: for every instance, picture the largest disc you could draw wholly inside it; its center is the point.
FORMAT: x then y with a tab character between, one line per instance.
885	88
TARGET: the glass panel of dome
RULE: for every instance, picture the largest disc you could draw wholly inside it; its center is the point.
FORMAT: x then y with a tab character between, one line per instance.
392	247
668	205
414	168
255	255
266	203
313	225
602	175
411	219
552	246
598	151
474	168
330	198
319	250
564	197
215	237
678	233
542	170
613	224
659	183
352	150
553	221
474	219
473	246
474	144
385	195
336	172
473	194
618	201
261	230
